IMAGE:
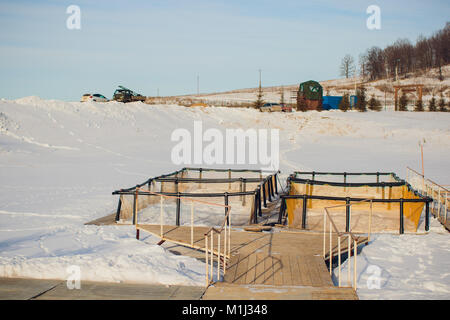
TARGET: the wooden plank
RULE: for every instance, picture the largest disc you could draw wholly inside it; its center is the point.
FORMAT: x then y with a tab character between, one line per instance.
230	275
277	271
268	270
295	271
323	271
286	270
225	291
259	276
304	276
317	273
241	271
250	278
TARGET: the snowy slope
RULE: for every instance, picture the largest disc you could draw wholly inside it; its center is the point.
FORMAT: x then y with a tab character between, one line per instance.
60	161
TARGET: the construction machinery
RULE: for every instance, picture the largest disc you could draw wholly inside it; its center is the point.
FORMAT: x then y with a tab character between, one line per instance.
126	95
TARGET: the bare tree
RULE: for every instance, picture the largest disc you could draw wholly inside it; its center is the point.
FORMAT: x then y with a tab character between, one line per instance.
405	57
375	63
347	66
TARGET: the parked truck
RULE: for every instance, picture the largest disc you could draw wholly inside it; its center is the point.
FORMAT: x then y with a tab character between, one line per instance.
126	95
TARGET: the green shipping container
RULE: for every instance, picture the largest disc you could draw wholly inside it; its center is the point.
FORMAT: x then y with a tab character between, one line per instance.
311	90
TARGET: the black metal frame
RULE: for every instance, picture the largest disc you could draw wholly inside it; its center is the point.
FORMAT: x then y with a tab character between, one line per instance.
348	200
264	182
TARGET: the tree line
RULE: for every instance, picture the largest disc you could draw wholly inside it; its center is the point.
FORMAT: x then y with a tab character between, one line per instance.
402	57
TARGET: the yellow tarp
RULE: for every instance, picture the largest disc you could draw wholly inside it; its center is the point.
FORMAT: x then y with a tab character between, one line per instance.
391	211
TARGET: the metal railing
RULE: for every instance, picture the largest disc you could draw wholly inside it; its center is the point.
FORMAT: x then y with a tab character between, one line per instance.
266	190
351	239
221	252
439	193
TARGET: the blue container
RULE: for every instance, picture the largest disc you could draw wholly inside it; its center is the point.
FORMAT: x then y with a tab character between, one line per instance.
331	102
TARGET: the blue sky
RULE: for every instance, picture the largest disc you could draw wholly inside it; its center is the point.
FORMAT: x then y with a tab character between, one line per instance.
146	45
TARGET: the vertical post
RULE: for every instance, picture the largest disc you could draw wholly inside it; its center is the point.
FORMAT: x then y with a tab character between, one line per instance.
313	176
378	181
206	260
402	227
161	218
264	195
240	188
446	206
229	235
370	220
178	209
268	190
244	182
255	207
339	260
137	234
135	200
347	214
272	194
218	257
349	251
225	196
276	184
119	207
355	254
324	232
259	202
282	210
212	256
345	181
439	203
423	171
427	216
225	237
395	97
192	223
305	199
330	253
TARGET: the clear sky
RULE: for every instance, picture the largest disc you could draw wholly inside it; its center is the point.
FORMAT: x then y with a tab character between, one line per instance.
146	45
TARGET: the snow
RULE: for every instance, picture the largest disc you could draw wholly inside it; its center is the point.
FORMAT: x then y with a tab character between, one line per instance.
60	161
403	267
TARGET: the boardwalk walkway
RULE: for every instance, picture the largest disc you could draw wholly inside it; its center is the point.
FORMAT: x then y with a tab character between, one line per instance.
280	260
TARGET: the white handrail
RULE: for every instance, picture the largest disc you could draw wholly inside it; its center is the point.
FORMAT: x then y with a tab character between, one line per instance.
350	237
437	192
221	252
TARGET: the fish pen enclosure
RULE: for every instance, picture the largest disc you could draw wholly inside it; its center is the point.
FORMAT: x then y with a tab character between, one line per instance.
170	199
357	202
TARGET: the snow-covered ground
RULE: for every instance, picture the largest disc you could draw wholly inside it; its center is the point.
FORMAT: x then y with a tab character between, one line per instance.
60	161
403	267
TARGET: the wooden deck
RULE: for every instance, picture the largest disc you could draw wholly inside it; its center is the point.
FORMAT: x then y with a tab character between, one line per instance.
292	261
